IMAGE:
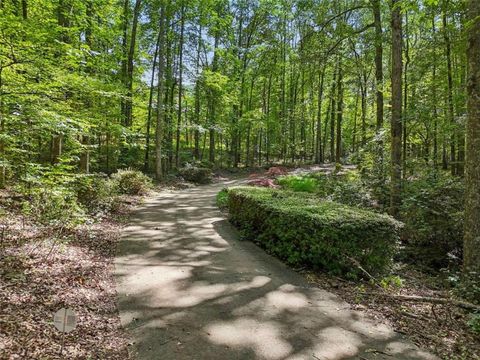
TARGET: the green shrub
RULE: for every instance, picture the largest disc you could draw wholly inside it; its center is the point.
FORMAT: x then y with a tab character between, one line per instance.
131	182
53	206
222	199
94	192
474	323
298	183
301	229
432	210
199	175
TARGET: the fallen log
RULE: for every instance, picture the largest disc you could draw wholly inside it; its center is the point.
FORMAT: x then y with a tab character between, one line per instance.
433	300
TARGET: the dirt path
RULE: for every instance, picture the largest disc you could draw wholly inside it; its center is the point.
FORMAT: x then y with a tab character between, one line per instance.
189	289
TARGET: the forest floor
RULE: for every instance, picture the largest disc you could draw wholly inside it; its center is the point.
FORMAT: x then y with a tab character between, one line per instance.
44	269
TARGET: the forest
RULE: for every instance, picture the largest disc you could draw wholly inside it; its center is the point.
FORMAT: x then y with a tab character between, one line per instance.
358	120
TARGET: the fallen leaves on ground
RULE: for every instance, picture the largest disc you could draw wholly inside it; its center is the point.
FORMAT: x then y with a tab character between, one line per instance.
43	270
439	328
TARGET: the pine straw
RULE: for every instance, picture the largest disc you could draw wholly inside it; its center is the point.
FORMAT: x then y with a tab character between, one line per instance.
439	328
43	270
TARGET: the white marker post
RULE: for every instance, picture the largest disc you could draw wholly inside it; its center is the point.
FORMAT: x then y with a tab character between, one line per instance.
65	320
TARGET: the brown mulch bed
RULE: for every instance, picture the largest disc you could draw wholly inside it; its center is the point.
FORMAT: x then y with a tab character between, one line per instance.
440	328
44	269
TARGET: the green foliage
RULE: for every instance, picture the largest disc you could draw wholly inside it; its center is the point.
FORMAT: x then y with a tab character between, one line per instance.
53	206
432	210
298	183
466	286
131	182
222	199
301	229
94	192
198	175
391	281
346	188
474	323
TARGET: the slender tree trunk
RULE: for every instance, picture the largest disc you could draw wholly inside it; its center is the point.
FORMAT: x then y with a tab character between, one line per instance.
354	133
180	86
318	147
405	98
124	62
378	62
211	153
150	103
396	122
333	110
3	160
196	151
338	154
471	253
434	98
450	111
131	55
160	95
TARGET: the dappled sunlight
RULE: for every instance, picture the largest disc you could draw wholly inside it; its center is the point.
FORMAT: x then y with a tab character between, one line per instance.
265	338
337	343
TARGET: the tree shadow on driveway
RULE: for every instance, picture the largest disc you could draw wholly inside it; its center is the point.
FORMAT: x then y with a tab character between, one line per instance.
188	288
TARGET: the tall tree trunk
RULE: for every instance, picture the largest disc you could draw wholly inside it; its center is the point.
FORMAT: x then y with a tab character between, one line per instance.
378	61
180	85
471	253
196	151
160	96
124	62
211	152
405	98
3	160
130	58
434	98
150	105
396	121
318	139
450	111
354	132
333	110
363	91
338	153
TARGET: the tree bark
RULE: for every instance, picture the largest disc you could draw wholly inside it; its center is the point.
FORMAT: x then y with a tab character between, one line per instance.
180	85
378	62
338	153
450	112
160	97
471	253
130	68
318	145
396	120
150	105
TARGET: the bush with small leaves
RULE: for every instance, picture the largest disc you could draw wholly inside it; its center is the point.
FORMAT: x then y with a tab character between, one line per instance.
298	183
474	323
53	206
222	199
432	210
195	174
302	229
94	192
131	182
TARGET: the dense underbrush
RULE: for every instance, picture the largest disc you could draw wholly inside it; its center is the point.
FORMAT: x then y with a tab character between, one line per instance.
74	199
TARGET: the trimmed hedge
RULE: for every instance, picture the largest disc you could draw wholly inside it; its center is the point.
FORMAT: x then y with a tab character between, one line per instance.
304	230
